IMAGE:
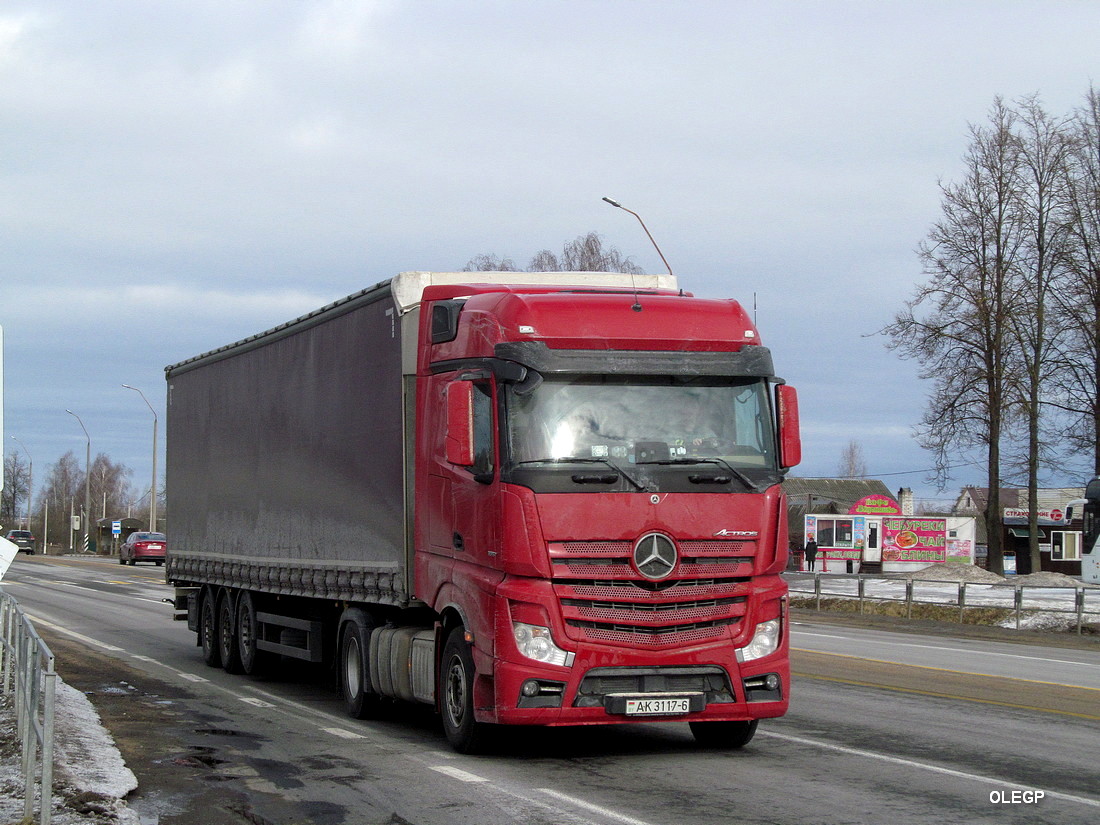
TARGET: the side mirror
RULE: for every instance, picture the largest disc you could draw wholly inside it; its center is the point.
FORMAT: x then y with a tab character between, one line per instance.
460	423
790	439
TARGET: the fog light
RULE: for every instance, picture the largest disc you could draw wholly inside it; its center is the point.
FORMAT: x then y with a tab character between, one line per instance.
771	682
530	688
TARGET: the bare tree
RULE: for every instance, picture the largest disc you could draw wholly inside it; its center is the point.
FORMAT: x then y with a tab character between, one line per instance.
957	325
63	486
1043	147
586	253
110	489
111	492
13	498
1078	378
490	262
852	463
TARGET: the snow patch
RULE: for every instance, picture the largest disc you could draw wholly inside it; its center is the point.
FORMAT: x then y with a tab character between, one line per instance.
90	777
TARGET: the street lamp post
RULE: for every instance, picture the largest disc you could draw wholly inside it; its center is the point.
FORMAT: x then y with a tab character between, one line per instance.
153	488
618	205
30	479
87	480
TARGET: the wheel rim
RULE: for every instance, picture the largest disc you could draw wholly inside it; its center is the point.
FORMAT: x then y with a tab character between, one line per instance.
209	633
225	626
456	692
244	631
353	666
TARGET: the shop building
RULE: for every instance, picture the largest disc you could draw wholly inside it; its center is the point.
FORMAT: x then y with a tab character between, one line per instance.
1060	541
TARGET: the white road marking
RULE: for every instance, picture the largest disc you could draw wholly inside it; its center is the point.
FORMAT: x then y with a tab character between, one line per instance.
596	809
343	734
458	773
910	763
259	703
88	640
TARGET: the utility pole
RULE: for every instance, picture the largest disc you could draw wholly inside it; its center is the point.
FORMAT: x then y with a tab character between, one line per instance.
87	480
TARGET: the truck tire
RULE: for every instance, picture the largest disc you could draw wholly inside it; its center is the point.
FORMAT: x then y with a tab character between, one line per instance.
360	700
208	629
724	735
456	696
227	639
253	660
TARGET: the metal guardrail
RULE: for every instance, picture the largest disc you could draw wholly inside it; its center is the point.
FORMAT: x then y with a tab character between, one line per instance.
27	675
1081	602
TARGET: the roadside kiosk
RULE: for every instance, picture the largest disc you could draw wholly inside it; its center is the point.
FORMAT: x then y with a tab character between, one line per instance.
875	536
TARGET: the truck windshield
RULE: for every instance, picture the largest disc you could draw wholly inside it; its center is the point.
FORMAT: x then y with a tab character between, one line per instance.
643	420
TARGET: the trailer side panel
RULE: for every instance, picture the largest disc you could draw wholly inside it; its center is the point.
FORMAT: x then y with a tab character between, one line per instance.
285	459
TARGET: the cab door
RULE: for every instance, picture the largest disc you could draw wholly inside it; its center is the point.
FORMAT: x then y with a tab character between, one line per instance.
475	489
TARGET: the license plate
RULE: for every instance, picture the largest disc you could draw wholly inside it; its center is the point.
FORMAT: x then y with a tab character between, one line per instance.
657	707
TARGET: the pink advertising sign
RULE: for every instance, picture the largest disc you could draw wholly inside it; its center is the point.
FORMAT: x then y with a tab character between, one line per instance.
914	539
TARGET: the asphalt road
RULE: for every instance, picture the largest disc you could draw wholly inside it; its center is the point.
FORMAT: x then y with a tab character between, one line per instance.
909	727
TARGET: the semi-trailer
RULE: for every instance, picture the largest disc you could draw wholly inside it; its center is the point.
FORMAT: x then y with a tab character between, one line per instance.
522	498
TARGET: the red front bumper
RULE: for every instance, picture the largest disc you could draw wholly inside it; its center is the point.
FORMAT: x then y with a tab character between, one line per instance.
593	691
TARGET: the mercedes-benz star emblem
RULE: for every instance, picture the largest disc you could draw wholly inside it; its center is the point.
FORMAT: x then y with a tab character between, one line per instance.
655	556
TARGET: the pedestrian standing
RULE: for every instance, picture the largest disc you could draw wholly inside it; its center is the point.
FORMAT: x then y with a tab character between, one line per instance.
810	551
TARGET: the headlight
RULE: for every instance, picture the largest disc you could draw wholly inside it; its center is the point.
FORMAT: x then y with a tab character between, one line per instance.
764	642
536	643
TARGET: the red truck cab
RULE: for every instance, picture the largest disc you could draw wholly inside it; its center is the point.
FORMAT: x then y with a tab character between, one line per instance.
599	511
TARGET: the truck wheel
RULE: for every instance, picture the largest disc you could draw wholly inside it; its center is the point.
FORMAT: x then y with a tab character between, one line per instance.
360	700
726	735
253	660
456	696
227	640
208	629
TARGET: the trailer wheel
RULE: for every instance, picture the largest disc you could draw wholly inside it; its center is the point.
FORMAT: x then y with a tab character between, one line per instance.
227	640
456	696
360	700
726	735
208	629
253	660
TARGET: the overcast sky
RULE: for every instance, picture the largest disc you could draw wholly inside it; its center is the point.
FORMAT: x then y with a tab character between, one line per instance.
175	176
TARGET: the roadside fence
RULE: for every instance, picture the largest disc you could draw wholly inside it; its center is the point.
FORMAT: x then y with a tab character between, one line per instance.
1080	602
27	676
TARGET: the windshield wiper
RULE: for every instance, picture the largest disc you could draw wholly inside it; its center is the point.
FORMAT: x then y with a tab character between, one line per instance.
740	476
585	460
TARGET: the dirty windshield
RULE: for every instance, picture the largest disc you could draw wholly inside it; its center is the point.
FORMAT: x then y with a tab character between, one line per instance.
633	420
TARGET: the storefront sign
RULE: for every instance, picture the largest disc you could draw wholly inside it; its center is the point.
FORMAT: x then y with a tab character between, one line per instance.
876	505
914	539
1053	516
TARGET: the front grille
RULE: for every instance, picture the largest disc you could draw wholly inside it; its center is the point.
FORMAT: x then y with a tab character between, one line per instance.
650	636
605	600
648	613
